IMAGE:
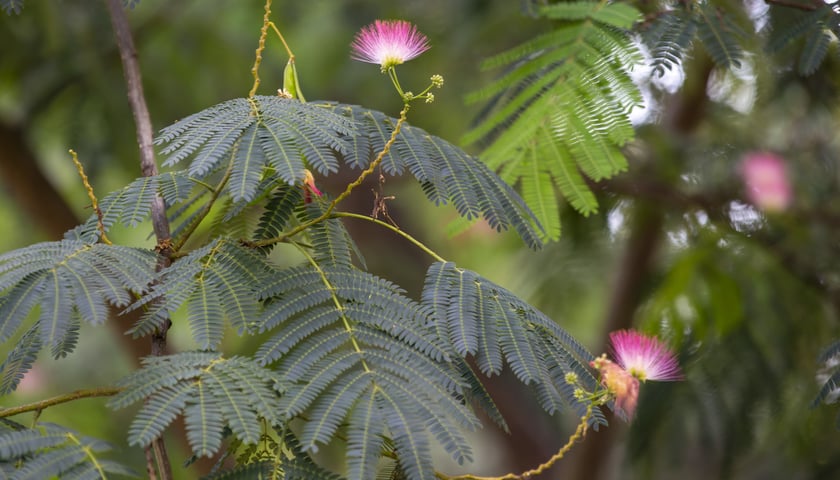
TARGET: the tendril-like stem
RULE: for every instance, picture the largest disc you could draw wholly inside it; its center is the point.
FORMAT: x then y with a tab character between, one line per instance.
93	202
285	45
579	434
394	229
255	70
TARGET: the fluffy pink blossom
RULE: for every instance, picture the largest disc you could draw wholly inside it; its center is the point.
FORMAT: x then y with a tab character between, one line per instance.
388	43
766	181
646	358
637	358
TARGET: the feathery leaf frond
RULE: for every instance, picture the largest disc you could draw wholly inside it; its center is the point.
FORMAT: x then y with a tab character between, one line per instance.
218	282
12	6
562	106
494	326
66	280
719	35
284	134
20	360
49	451
353	349
445	172
210	391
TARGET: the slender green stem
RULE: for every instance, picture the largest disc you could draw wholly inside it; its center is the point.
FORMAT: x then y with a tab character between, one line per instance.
285	45
392	73
205	210
337	302
88	453
59	399
392	228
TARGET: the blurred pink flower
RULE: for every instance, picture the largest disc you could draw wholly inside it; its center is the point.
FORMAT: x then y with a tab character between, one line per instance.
620	383
766	181
637	358
388	43
34	381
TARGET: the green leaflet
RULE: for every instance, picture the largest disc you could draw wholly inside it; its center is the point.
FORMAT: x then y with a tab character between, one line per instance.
208	390
65	281
485	321
561	107
49	450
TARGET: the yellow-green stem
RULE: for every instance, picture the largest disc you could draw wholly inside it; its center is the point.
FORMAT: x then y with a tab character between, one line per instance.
394	229
255	70
579	434
205	210
93	202
337	302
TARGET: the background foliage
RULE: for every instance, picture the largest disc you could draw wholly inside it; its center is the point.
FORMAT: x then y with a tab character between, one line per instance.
670	245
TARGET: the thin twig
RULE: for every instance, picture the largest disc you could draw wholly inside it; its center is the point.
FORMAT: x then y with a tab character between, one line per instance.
148	166
255	70
580	432
93	202
59	399
394	229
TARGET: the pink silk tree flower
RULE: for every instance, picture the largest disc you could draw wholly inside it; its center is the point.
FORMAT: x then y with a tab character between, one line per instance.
388	43
766	181
620	383
638	358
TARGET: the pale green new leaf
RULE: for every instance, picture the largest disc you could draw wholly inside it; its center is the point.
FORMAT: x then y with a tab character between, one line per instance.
564	97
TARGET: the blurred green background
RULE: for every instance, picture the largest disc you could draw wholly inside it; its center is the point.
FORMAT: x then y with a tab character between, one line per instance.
750	300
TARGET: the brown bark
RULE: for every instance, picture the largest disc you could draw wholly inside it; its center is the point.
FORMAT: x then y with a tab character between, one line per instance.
148	165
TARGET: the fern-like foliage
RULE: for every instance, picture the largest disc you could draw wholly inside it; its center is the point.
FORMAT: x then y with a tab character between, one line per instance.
813	30
52	451
210	391
12	6
20	359
489	323
561	107
64	281
218	283
830	390
254	140
670	33
446	173
353	349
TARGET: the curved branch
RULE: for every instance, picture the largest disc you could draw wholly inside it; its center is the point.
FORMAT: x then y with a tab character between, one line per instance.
59	399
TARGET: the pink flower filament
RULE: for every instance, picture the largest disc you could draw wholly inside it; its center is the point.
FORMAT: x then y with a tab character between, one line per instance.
388	43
